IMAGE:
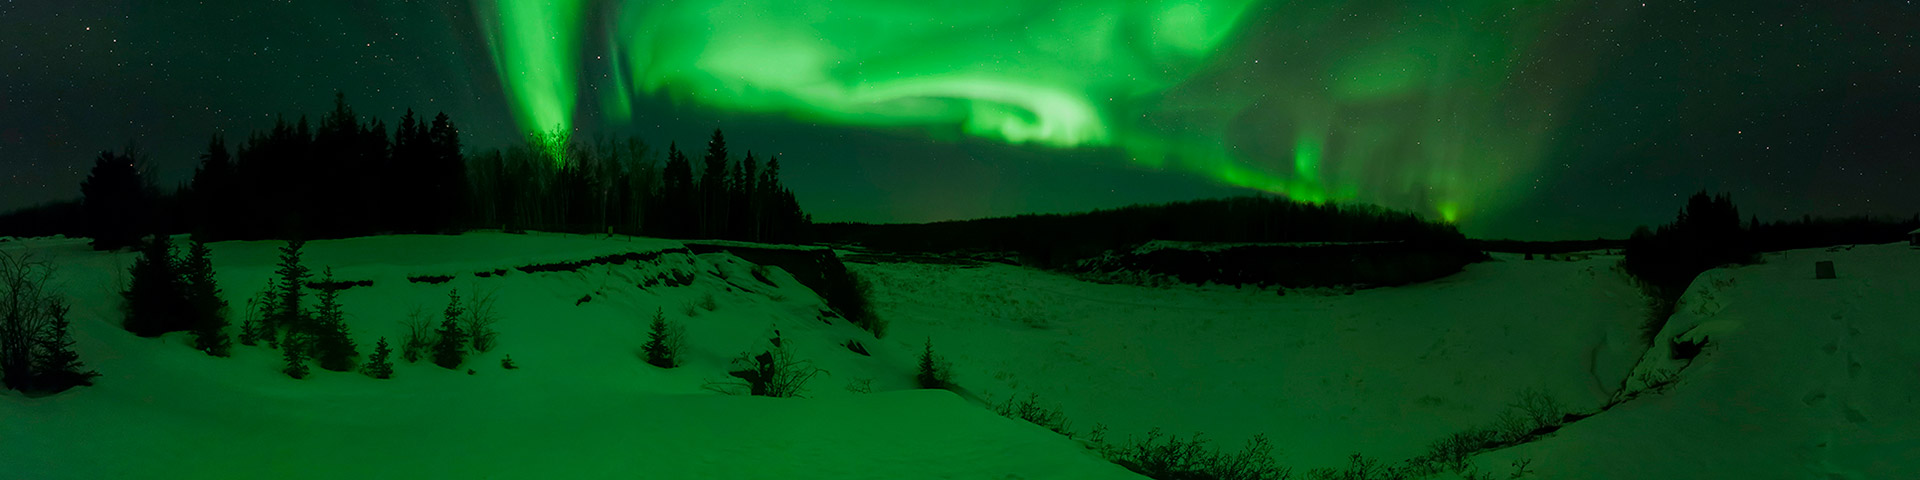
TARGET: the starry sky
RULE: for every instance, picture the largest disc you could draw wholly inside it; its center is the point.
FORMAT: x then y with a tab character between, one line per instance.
1516	119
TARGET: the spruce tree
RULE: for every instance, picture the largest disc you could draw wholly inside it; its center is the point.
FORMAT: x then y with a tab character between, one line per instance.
212	200
933	369
287	294
452	347
114	200
206	311
332	345
56	366
293	352
713	187
659	352
378	365
677	194
155	297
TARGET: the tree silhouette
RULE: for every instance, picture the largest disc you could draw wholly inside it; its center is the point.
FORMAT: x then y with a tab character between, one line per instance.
206	312
713	187
116	201
156	296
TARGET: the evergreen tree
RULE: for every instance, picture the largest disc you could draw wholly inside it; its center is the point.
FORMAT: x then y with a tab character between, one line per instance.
155	297
713	187
295	356
677	195
206	311
332	345
447	177
750	202
378	365
452	347
286	314
934	372
115	200
56	366
658	349
213	193
407	184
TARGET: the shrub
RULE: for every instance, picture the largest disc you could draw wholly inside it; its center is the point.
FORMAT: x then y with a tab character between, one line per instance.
379	365
773	373
854	300
259	307
708	303
1542	411
1533	414
790	376
420	337
477	321
862	385
506	362
1031	410
1361	467
1169	457
934	372
36	350
1450	453
451	347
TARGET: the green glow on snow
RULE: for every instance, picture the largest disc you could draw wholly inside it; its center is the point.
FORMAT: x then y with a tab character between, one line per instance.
1409	106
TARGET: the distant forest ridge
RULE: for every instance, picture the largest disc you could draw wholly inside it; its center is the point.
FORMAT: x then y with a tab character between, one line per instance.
1054	238
344	176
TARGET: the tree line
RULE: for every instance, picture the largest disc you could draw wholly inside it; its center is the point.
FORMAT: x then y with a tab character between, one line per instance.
1055	240
346	177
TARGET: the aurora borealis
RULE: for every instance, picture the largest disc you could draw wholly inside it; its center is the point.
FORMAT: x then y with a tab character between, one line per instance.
1528	119
1075	74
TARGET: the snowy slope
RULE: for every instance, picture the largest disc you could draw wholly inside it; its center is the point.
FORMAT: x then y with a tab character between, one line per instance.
581	405
1380	372
1801	378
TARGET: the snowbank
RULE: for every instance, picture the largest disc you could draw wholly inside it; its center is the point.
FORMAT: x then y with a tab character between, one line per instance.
1800	378
582	404
1380	372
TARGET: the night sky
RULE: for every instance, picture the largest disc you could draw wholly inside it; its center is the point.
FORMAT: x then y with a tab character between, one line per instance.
1520	119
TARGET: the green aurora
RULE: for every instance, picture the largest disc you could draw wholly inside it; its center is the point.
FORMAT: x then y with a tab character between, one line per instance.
1429	108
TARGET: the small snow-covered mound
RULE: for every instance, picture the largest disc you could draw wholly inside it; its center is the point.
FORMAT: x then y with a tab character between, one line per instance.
1799	378
581	404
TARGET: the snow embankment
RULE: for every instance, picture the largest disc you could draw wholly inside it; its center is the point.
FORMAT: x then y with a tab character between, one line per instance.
1381	372
1800	378
581	404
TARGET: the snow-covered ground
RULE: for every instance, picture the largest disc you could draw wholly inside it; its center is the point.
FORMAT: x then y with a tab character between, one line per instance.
1801	378
1380	372
581	405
